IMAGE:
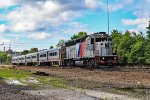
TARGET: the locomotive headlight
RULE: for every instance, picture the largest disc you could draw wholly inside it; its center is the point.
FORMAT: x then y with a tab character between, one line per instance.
115	58
103	58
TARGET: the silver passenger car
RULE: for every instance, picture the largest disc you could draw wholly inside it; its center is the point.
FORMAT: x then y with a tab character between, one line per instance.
34	57
54	56
43	57
28	59
14	61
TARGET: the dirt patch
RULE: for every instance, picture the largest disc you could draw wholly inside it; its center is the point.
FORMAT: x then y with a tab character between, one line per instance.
133	83
127	78
13	92
63	94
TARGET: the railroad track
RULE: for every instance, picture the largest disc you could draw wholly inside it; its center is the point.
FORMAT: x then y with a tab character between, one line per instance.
114	68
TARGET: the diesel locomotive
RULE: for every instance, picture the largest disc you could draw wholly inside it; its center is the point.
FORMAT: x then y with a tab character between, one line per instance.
91	51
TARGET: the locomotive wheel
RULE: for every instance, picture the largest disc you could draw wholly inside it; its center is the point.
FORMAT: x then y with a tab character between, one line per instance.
70	64
91	64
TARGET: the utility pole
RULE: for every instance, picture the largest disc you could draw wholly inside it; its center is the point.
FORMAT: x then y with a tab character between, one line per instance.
108	16
4	48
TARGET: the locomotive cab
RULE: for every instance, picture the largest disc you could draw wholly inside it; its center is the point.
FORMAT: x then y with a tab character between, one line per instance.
103	49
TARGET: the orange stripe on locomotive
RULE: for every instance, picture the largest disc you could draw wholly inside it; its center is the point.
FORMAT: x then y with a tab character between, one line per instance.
82	49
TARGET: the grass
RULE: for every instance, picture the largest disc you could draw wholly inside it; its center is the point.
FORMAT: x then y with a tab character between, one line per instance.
7	73
77	83
53	81
13	73
137	92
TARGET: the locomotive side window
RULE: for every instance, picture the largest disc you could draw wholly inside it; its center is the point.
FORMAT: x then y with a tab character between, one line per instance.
106	45
98	39
101	43
109	39
104	39
92	40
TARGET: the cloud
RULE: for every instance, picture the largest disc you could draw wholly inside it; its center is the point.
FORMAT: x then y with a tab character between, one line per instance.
7	3
134	21
115	7
31	17
3	28
74	28
141	13
91	3
4	40
134	30
141	23
24	26
39	36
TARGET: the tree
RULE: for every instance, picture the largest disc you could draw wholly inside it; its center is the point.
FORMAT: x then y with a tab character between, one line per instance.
8	60
82	34
60	42
147	46
25	52
32	50
79	35
74	37
124	47
116	37
3	57
148	31
51	47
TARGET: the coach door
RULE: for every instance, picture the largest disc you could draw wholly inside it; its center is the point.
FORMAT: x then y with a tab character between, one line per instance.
63	52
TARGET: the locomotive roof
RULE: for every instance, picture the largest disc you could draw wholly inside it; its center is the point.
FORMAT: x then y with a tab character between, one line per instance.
100	35
103	35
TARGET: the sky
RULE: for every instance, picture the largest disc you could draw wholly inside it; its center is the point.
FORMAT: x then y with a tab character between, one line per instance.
41	23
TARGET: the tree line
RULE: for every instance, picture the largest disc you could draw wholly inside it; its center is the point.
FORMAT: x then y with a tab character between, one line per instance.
5	58
133	48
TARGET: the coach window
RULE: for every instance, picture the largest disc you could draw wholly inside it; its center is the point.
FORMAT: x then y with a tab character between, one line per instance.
28	57
33	57
41	56
55	53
